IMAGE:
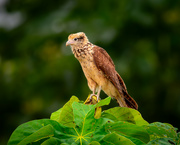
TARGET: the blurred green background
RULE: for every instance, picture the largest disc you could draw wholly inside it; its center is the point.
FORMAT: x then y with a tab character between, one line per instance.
39	74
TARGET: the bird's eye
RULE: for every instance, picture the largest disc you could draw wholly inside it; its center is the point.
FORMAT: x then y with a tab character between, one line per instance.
75	39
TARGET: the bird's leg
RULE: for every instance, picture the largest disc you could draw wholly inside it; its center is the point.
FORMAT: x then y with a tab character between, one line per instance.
98	94
93	94
94	91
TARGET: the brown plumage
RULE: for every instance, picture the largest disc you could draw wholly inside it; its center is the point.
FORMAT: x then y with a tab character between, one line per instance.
99	70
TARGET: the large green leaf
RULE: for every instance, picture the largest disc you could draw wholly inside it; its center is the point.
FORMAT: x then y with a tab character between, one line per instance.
115	139
129	129
125	114
134	140
44	132
94	143
162	141
33	131
50	141
65	114
139	120
87	127
103	102
160	131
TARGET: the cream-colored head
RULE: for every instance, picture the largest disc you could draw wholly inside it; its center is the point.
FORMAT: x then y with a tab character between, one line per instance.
77	39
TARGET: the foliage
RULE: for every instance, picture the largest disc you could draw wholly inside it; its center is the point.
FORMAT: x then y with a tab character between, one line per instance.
75	124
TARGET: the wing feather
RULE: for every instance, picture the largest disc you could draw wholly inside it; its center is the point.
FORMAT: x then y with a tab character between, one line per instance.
104	63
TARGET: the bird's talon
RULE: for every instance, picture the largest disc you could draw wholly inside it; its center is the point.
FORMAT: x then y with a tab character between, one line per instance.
90	98
97	98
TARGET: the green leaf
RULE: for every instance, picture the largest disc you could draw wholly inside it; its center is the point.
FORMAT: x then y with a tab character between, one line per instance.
134	140
115	139
178	138
103	102
33	131
87	127
161	130
44	132
94	143
162	141
125	114
50	141
86	124
162	133
138	117
119	114
55	115
80	112
65	114
129	129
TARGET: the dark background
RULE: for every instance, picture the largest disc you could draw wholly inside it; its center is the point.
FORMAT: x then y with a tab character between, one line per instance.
39	74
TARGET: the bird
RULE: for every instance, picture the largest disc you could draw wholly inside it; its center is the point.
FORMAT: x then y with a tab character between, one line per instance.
99	70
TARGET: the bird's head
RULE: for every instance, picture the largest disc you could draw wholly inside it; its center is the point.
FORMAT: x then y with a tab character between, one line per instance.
77	39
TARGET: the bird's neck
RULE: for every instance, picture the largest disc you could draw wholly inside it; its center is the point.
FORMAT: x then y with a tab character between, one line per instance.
81	51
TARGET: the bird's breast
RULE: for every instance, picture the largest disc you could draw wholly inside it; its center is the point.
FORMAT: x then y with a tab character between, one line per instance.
91	71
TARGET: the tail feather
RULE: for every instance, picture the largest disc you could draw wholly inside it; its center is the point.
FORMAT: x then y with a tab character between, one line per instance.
130	102
125	100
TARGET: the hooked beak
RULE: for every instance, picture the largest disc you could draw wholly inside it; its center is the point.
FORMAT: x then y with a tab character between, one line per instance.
69	42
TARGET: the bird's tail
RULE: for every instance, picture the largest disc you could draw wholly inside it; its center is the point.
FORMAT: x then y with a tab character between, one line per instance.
129	101
125	100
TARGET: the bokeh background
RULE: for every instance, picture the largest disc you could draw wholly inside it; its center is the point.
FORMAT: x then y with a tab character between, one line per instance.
39	74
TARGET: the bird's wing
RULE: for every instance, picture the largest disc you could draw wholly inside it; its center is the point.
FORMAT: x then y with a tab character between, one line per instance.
104	63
